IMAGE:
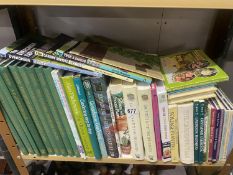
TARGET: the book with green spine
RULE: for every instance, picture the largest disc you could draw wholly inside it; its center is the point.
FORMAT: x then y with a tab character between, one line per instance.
30	101
14	132
61	112
9	81
31	80
15	117
201	125
73	100
189	69
63	139
195	129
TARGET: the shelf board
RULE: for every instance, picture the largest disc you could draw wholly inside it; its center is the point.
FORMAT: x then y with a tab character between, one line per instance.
110	160
209	4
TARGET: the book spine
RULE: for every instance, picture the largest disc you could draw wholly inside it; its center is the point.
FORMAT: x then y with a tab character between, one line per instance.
164	126
84	66
69	116
185	120
95	116
23	110
155	107
146	117
121	121
18	57
224	135
58	65
220	133
70	142
173	121
201	131
108	68
99	90
133	118
50	104
87	117
224	154
212	130
230	144
207	132
76	110
196	129
114	121
216	134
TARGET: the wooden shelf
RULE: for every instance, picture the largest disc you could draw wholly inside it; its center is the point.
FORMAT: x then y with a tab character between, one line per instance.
111	160
209	4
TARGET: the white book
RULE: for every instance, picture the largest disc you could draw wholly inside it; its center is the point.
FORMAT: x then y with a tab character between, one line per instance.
185	123
113	121
133	118
56	74
146	117
164	121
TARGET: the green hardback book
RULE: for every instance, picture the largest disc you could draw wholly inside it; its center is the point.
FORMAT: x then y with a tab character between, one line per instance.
61	113
14	132
32	81
195	129
15	117
9	81
30	100
189	69
76	110
53	113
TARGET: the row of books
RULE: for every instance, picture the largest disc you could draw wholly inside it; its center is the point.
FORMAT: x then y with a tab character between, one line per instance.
93	99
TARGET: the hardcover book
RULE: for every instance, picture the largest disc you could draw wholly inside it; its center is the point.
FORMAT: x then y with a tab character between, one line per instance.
190	68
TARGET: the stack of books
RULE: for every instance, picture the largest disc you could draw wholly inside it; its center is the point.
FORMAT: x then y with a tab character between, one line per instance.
91	98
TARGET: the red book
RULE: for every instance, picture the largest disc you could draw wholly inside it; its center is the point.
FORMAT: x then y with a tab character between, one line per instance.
156	121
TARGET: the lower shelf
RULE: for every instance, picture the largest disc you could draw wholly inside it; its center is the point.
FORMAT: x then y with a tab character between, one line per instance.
112	160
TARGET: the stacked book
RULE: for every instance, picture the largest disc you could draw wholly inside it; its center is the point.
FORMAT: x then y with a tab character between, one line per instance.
92	98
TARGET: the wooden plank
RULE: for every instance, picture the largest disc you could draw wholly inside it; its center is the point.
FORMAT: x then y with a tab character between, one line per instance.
112	160
11	146
210	4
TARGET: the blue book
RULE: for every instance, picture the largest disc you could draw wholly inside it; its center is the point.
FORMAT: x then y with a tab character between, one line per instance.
87	116
95	116
196	129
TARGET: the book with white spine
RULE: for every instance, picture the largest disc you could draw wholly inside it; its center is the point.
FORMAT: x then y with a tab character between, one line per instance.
146	117
185	123
164	121
133	118
113	120
56	74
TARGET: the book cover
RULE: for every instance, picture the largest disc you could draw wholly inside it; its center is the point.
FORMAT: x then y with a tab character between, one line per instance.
201	125
174	130
196	129
146	118
133	118
164	121
10	83
56	74
116	92
71	145
95	115
185	123
99	88
87	116
113	120
206	132
75	106
190	68
155	107
127	59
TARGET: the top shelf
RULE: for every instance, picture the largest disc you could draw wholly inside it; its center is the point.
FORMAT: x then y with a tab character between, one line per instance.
203	4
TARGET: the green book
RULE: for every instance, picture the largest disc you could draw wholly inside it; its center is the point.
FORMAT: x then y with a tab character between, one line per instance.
32	82
195	129
189	69
73	100
61	113
16	118
9	81
61	137
15	134
30	101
